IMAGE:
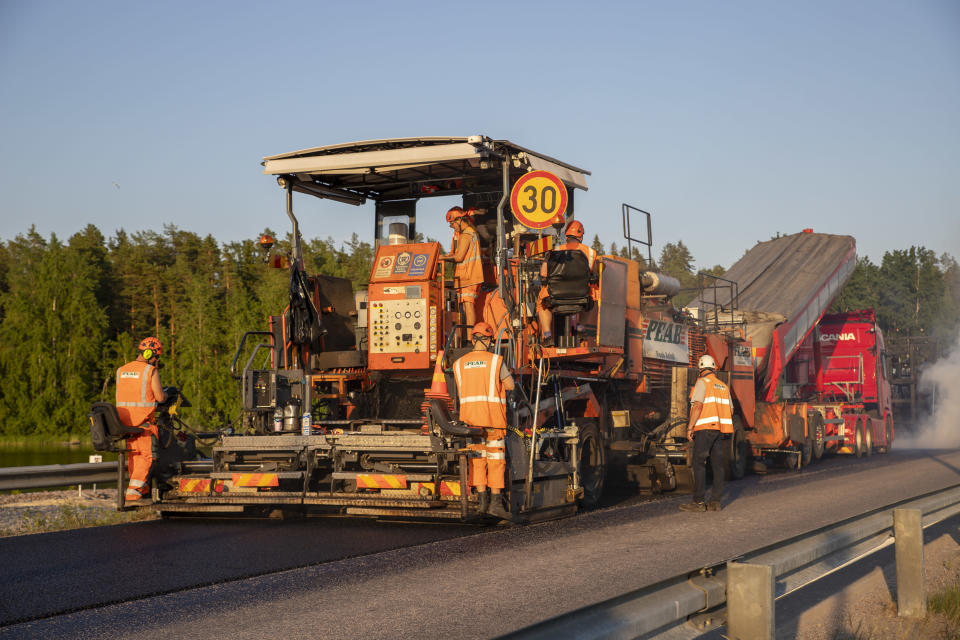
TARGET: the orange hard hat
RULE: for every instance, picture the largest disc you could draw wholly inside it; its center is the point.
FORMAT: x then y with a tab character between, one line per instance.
575	229
151	344
483	329
454	213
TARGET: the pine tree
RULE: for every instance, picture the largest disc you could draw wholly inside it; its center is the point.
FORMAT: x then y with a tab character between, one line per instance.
862	290
677	261
596	245
56	329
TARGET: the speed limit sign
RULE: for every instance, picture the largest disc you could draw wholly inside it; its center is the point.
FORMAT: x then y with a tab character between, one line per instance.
538	199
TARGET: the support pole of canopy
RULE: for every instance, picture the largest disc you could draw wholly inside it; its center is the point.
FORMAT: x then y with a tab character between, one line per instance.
501	245
297	249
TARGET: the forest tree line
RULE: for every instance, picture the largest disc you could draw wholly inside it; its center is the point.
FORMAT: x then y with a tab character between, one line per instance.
72	312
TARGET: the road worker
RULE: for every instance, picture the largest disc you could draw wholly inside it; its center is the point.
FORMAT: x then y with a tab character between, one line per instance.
495	313
138	392
468	273
574	242
482	385
711	418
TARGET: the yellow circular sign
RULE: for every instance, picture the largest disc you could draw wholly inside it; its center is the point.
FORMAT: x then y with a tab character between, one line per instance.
538	199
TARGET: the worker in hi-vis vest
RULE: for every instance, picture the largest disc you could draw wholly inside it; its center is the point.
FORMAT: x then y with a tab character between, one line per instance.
468	273
574	242
138	392
711	417
482	385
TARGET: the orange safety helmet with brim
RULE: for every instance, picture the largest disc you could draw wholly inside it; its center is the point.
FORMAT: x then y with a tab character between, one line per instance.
482	329
575	230
150	347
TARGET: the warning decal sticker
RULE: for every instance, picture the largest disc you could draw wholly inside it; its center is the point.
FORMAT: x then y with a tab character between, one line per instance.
383	267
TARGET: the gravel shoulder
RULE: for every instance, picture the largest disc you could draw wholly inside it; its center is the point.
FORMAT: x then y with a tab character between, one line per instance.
41	511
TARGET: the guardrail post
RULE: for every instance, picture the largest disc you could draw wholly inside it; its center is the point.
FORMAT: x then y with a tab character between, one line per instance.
908	539
750	601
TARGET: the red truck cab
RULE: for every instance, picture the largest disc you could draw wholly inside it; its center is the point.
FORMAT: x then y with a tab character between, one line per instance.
841	369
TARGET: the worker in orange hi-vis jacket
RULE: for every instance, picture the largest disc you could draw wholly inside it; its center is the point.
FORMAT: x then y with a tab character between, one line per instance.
495	312
482	385
711	418
138	392
574	235
468	273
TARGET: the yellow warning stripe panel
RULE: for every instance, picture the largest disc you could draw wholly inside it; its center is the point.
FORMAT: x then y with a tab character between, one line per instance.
200	485
446	488
381	481
256	480
539	246
194	485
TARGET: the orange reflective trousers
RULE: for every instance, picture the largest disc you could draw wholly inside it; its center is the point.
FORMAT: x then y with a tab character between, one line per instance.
143	451
488	461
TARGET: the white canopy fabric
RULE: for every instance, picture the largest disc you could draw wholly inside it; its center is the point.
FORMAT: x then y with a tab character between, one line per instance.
399	168
371	161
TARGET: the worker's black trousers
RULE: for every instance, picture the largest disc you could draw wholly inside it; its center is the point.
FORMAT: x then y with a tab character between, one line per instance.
707	443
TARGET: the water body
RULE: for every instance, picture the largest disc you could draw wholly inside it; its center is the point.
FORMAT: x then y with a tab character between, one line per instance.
39	454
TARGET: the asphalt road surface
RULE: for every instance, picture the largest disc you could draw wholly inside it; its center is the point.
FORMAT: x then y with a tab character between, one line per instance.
360	579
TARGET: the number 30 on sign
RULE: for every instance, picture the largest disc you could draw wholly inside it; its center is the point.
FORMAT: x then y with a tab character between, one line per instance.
538	199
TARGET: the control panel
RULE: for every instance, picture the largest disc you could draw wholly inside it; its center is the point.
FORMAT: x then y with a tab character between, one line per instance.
403	307
400	326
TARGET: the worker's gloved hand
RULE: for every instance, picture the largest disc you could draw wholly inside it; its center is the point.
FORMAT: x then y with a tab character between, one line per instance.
172	393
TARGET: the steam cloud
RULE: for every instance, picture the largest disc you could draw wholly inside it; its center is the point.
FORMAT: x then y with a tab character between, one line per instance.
940	430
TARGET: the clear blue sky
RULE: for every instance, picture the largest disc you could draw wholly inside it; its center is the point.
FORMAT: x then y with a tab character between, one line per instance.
730	121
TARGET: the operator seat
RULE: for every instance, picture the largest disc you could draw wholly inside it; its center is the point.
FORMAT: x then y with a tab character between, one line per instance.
106	427
568	290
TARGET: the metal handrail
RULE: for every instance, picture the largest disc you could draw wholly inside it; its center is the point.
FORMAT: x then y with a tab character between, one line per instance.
796	562
732	306
57	475
243	341
625	210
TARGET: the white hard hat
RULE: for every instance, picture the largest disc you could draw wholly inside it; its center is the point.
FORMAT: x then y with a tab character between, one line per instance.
706	362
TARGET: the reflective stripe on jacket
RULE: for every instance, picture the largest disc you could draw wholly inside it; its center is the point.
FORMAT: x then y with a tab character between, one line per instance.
470	270
483	400
587	251
717	410
136	403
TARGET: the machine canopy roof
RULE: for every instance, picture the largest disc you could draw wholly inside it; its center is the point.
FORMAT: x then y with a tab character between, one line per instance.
403	168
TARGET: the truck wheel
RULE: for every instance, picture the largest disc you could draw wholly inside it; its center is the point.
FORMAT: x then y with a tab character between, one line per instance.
858	448
592	464
736	452
868	436
818	444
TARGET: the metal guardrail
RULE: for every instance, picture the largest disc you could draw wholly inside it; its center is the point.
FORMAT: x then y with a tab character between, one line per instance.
57	475
692	601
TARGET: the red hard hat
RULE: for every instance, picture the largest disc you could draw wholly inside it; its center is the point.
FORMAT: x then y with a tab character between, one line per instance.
483	329
151	343
454	213
575	229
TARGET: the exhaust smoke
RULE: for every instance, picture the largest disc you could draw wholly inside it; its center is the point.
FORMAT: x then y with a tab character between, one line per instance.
940	429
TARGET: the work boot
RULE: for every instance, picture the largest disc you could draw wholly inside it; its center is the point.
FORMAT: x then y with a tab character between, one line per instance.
693	506
484	502
496	508
714	506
